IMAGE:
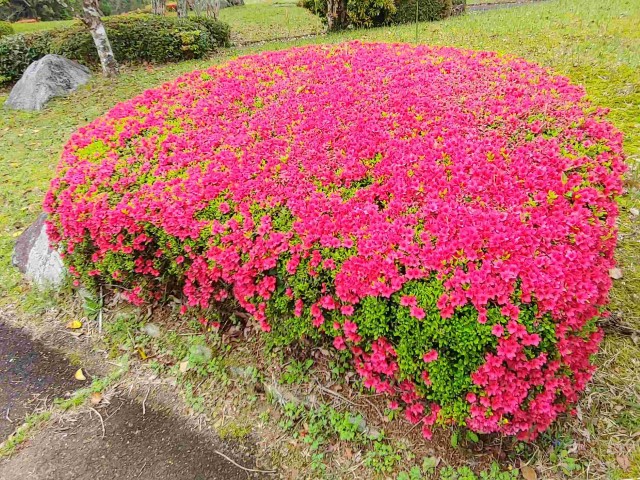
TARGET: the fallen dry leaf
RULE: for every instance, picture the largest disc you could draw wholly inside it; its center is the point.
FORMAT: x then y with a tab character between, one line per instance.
184	366
143	355
96	398
74	324
624	462
528	473
80	375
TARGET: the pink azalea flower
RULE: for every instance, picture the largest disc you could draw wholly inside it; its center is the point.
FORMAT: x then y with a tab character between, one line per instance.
430	356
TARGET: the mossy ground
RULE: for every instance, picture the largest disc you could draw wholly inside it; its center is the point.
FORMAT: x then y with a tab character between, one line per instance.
595	43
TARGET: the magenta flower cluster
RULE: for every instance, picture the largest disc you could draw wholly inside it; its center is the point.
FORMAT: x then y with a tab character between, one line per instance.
326	175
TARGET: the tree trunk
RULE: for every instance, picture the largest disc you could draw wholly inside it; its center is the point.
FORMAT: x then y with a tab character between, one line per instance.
182	8
91	18
216	9
158	6
336	15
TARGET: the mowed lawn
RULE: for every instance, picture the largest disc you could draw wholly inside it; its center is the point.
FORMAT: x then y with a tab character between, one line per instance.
596	43
38	26
270	20
257	21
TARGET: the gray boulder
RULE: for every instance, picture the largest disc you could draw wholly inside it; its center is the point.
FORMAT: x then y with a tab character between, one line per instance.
49	77
35	258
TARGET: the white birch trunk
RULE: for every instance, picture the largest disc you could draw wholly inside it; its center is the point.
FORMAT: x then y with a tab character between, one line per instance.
158	6
91	18
182	8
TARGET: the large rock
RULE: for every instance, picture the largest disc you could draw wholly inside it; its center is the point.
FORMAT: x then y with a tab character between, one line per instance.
49	77
35	258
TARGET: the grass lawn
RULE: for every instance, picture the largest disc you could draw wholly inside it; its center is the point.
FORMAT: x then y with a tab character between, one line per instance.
34	27
254	22
483	2
273	19
595	43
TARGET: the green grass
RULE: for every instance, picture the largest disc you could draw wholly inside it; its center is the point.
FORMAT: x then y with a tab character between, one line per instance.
595	43
482	2
270	20
22	432
35	27
257	21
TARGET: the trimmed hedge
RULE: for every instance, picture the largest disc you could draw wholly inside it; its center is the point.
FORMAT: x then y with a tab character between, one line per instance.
374	13
18	51
5	29
134	38
427	11
445	218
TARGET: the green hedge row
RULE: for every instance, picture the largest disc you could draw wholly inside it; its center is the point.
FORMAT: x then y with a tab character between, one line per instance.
134	38
5	28
373	13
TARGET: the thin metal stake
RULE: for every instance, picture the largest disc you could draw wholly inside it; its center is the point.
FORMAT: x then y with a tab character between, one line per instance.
417	4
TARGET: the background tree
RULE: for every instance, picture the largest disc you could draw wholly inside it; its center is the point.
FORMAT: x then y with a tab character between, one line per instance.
91	18
337	18
158	6
207	8
13	10
182	8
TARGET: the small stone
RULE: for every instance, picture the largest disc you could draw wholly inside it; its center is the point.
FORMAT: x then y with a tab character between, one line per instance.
184	366
51	76
615	273
151	329
34	257
634	211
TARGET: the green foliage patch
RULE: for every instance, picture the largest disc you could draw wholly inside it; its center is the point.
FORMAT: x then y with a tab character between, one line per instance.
134	38
375	13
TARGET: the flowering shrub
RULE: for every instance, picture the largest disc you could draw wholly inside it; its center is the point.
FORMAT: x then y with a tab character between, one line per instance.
446	217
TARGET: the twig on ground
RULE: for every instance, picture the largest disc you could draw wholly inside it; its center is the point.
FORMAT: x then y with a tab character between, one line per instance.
413	426
336	394
375	408
141	470
271	472
115	411
7	415
356	467
101	420
100	312
144	410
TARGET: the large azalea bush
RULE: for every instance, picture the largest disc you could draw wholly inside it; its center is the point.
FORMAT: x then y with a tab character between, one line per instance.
446	217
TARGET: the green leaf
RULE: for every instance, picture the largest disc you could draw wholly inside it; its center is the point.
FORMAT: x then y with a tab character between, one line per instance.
429	464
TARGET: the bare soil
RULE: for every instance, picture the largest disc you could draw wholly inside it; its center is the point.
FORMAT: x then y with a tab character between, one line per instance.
119	438
154	445
31	375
